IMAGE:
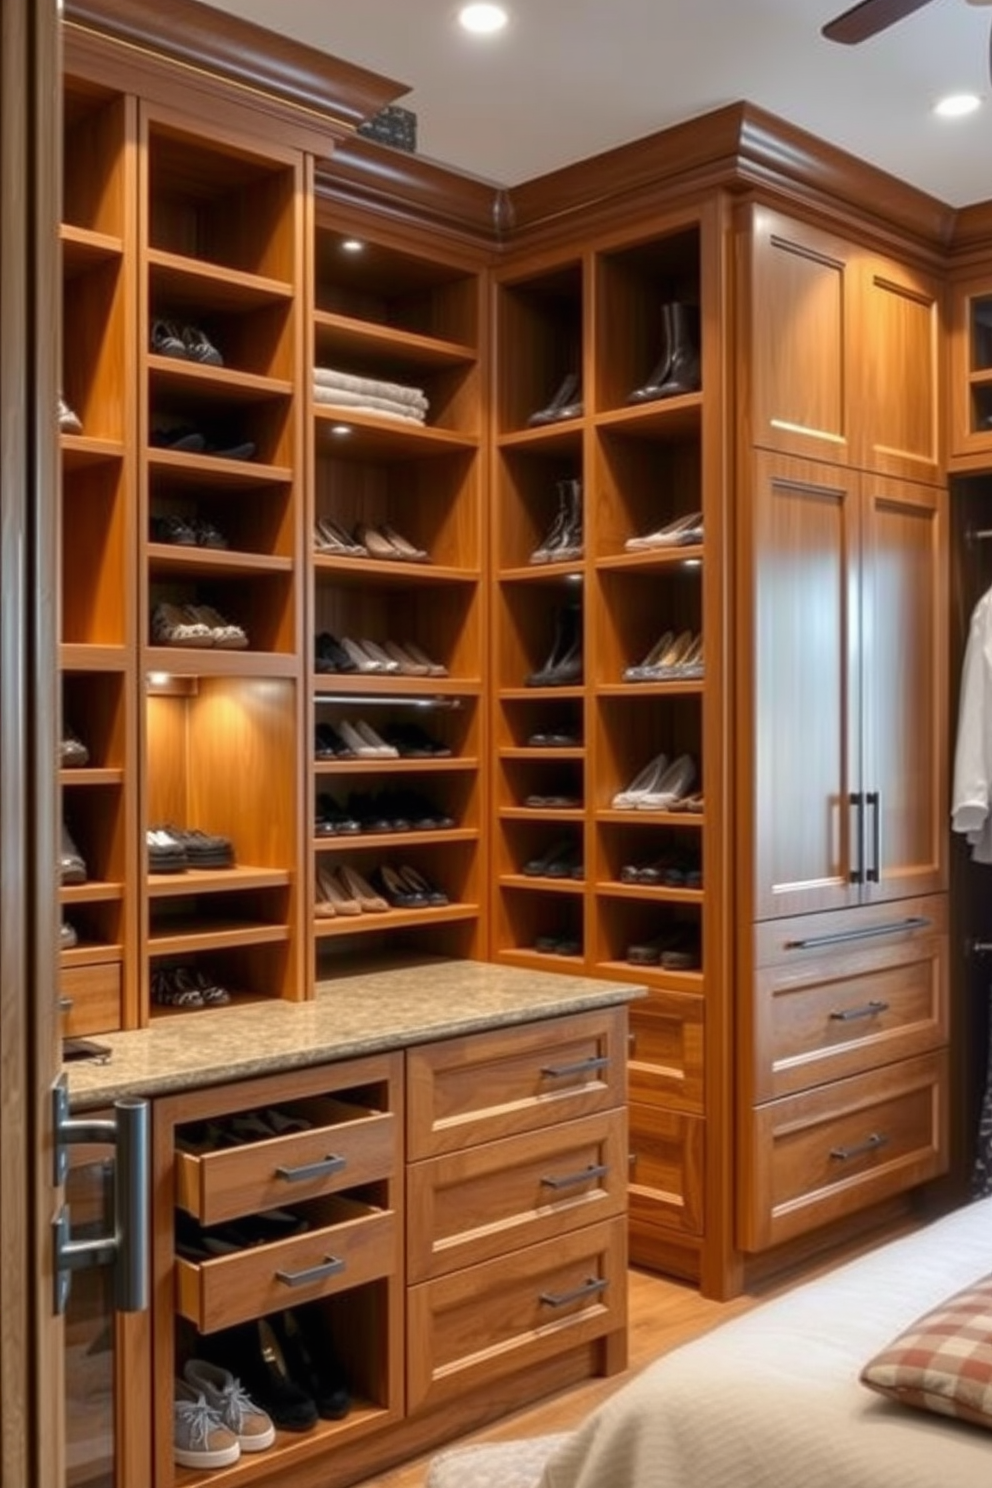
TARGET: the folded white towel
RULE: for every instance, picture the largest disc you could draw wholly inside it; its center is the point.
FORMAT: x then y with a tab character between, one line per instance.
362	403
352	383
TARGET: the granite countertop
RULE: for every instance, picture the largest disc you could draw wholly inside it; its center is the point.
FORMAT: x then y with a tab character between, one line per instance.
360	1013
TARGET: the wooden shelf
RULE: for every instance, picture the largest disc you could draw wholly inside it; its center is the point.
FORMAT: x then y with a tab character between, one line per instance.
651	818
193	936
352	685
84	249
542	813
655	558
547	439
394	919
372	438
535	752
344	335
401	766
215	881
91	955
92	775
658	893
666	418
393	843
175	558
95	891
187	661
359	571
545	694
657	976
82	450
536	573
213	472
692	688
211	286
543	885
216	384
541	960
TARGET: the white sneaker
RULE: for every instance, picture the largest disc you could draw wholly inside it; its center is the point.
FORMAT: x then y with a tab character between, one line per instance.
247	1421
199	1437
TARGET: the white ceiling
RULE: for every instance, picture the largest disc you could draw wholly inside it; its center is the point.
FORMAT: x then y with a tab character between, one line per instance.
568	78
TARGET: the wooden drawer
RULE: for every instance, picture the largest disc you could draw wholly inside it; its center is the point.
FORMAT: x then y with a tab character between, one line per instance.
665	1051
484	1321
836	995
817	1156
666	1167
350	1243
470	1206
347	1144
95	996
489	1085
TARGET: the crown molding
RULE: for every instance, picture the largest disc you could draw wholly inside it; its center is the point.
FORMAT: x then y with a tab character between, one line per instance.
199	37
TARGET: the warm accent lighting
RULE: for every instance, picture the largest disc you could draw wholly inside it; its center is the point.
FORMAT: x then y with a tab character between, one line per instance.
956	105
159	679
483	20
340	429
352	245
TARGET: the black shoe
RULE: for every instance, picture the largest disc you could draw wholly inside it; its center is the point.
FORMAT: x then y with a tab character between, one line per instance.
253	1353
308	1350
679	368
564	664
330	655
566	403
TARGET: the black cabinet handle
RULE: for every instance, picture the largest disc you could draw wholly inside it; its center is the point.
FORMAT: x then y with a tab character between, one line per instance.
589	1288
581	1067
873	801
856	801
870	1144
840	937
870	1010
572	1180
333	1266
321	1169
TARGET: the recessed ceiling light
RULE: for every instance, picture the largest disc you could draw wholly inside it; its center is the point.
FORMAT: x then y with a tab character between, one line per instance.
483	20
956	105
352	245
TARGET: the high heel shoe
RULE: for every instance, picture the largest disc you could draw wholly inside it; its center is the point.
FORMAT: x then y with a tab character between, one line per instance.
647	780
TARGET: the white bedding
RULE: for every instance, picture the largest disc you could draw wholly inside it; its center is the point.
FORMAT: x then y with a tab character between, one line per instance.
772	1399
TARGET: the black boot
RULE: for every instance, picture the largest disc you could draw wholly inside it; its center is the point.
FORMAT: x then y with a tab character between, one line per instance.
552	538
564	665
307	1347
569	546
566	403
680	362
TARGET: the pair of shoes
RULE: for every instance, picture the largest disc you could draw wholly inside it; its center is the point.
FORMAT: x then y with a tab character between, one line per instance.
195	625
554	739
342	891
68	936
166	854
184	342
552	803
174	849
563	860
330	537
72	864
680	533
678	369
675	950
187	986
331	821
194	532
397	811
563	667
73	754
658	785
406	888
215	1418
672	870
288	1365
330	655
671	658
558	945
566	403
69	422
412	742
386	543
235	1131
363	741
563	541
187	440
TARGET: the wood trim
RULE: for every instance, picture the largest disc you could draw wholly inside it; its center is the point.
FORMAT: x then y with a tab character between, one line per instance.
242	52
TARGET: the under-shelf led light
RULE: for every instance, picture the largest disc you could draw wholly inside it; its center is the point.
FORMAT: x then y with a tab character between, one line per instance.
482	20
352	245
956	105
340	429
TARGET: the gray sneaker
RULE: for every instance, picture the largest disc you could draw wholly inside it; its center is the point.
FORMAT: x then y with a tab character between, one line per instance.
199	1436
235	1408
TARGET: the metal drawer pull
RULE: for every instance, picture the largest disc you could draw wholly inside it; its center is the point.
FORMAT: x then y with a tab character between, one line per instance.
570	1180
911	922
589	1288
870	1144
581	1067
870	1010
333	1266
322	1169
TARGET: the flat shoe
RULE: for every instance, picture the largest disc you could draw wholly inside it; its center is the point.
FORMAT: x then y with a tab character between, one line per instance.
646	780
172	626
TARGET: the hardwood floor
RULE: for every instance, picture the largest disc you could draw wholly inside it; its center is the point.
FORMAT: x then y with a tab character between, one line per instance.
663	1314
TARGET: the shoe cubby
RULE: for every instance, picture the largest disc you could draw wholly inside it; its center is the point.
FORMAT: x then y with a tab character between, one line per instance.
220	201
375	799
443	620
249	326
539	634
542	787
639	861
261	604
97	125
94	707
95	319
632	731
636	608
450	867
634	936
540	854
644	479
540	509
540	727
249	511
540	929
96	820
539	346
96	531
448	383
633	283
236	420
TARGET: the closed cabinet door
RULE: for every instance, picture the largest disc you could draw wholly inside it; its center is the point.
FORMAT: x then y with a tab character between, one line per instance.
800	687
904	681
896	375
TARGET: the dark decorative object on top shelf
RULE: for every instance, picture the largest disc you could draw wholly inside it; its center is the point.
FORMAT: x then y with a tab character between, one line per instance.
394	126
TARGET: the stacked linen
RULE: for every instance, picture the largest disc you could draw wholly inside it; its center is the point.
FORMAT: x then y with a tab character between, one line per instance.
369	395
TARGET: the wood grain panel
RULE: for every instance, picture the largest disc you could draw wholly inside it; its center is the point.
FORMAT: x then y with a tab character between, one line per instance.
899	370
666	1051
667	1153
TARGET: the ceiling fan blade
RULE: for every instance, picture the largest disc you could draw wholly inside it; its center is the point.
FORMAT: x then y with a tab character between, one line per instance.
868	18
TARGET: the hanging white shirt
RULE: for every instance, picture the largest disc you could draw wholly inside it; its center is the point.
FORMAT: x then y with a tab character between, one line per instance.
971	797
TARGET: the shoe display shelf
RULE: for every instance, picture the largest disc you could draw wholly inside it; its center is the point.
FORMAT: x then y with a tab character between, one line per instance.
97	599
397	318
256	1224
221	312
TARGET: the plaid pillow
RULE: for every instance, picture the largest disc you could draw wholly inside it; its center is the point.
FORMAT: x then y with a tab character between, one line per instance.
943	1361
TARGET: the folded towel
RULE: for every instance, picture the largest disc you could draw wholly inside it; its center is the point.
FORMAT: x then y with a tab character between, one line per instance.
352	383
359	402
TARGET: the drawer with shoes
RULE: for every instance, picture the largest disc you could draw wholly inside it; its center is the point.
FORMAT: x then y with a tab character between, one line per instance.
295	1151
239	1273
474	1205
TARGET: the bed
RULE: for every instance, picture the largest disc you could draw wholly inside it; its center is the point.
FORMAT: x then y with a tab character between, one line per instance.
772	1399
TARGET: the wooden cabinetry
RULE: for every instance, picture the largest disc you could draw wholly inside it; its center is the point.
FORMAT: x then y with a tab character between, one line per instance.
970	393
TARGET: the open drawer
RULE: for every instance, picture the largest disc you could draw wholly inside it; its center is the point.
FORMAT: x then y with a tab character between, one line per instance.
346	1144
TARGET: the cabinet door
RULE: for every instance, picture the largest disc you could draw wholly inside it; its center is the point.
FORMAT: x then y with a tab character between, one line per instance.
970	369
896	372
798	675
904	679
798	294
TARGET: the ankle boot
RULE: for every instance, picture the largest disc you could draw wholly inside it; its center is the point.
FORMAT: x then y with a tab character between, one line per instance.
564	663
569	545
678	371
553	537
566	403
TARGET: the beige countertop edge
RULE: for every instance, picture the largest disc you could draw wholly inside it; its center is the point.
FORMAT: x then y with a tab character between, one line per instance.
395	1009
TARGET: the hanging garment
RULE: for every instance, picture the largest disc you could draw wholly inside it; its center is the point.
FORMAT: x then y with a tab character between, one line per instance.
971	796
